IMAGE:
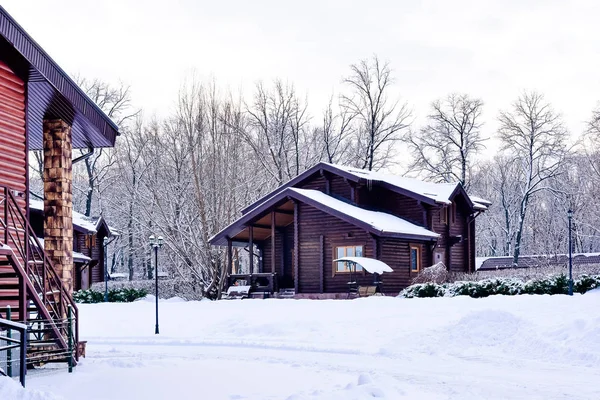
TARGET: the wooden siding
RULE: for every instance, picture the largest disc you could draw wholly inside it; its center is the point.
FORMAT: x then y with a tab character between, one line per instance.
338	186
381	199
13	152
396	254
13	143
313	224
458	250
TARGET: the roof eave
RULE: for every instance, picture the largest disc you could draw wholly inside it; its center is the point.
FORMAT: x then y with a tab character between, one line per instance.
54	75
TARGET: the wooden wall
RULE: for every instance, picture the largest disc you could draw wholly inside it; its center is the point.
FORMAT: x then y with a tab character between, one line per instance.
312	224
378	198
13	142
395	253
338	186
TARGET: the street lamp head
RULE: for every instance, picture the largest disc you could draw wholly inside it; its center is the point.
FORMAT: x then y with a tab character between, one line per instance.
151	239
570	213
160	241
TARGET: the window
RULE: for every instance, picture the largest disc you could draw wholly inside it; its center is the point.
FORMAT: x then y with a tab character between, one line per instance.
347	251
415	258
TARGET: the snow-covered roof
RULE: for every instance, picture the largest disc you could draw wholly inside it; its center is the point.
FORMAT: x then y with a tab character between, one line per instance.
79	220
480	203
370	265
438	192
386	223
77	256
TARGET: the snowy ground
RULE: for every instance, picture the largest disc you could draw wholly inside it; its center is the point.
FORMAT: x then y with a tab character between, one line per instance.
534	347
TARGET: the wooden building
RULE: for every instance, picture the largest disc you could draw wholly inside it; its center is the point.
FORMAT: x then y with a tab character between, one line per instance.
88	244
331	211
41	108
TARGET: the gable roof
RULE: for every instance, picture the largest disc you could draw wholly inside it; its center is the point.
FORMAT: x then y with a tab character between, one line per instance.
80	222
378	223
51	91
427	192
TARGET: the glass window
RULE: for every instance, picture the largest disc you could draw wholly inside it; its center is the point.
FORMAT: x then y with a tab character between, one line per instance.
348	251
415	258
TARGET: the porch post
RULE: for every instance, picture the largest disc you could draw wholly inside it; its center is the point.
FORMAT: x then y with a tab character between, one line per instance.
229	256
273	269
296	249
251	247
58	199
321	264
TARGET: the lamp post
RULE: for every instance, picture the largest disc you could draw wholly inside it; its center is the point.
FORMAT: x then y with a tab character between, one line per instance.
570	217
156	243
105	243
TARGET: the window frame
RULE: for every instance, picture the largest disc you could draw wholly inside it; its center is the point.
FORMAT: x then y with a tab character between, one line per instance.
336	246
419	249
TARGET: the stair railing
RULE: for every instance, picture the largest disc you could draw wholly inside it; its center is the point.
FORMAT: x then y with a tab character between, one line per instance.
39	268
7	328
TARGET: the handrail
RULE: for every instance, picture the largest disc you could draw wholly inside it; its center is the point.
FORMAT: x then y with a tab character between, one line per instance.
21	344
45	280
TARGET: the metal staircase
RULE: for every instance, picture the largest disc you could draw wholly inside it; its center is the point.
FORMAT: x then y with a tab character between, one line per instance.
31	291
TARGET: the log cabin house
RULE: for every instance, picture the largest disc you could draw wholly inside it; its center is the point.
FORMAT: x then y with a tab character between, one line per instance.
333	211
88	244
41	108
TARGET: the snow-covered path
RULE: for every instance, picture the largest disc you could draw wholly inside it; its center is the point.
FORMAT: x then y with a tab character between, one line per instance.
535	347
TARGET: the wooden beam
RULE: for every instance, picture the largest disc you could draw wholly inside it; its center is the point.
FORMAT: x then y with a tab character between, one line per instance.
321	263
282	255
251	247
273	242
327	182
296	249
230	256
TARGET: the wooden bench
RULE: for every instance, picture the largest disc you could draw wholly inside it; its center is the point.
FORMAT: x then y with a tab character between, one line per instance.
237	292
366	291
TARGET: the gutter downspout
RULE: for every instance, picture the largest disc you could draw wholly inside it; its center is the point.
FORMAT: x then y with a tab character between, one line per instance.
84	156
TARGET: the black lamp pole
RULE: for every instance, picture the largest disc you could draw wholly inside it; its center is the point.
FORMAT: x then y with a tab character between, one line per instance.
156	243
570	217
105	243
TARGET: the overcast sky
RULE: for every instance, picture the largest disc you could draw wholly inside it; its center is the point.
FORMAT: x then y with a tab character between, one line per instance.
491	50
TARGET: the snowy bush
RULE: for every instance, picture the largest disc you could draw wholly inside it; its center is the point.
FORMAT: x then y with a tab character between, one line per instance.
122	295
586	283
167	288
555	284
423	290
485	287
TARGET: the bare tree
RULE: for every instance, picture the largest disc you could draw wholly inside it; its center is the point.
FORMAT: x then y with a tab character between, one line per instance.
381	121
535	138
276	130
335	133
444	149
115	101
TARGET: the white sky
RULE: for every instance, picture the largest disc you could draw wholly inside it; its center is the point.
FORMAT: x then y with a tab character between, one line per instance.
492	50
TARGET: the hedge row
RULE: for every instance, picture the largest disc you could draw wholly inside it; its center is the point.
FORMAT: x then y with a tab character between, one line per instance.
557	284
122	295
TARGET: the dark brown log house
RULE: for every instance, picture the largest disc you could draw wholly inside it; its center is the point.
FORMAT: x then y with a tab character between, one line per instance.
331	211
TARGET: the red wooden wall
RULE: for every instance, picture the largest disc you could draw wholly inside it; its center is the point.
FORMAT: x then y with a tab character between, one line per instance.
13	143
